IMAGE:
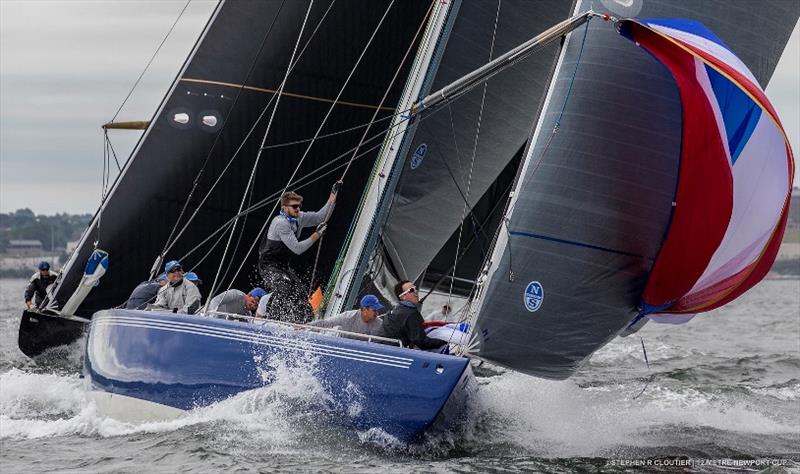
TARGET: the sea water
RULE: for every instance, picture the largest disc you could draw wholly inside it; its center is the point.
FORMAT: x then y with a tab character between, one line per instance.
721	393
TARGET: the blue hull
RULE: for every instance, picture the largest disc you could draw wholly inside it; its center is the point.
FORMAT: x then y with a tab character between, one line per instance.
184	362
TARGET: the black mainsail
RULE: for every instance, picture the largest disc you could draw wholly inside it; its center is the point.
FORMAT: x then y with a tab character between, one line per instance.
207	132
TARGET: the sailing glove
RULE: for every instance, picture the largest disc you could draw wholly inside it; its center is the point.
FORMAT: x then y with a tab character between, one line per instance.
322	228
336	187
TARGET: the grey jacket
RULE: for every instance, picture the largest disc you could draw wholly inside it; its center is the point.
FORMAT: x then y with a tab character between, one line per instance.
185	297
351	321
288	230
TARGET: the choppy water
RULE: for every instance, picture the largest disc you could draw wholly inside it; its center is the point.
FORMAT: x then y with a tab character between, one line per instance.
725	386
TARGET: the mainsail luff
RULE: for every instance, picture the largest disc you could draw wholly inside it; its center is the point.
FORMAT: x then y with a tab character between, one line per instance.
594	202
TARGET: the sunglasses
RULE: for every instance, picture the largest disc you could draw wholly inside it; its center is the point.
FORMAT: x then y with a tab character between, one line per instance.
295	206
410	290
176	269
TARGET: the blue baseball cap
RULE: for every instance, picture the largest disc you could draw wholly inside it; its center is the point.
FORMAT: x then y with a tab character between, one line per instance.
43	266
163	276
169	266
191	276
372	302
257	292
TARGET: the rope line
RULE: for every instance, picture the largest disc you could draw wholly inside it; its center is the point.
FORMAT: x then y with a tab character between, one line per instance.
366	130
289	69
321	125
195	184
150	61
472	160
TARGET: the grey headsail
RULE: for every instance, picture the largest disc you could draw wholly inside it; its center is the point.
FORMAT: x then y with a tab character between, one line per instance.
595	195
457	154
210	117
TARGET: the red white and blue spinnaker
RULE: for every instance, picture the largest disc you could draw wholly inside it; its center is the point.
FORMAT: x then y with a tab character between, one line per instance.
735	176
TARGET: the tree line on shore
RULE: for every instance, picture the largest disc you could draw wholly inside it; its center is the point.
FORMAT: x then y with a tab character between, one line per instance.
52	231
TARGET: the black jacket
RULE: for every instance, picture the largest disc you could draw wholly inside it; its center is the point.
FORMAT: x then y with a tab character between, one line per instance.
143	294
405	323
38	287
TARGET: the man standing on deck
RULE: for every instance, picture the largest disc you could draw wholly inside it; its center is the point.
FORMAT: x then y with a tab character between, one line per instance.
289	301
37	288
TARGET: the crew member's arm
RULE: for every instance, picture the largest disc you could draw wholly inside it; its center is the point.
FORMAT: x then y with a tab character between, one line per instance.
192	301
161	298
29	291
416	333
287	236
310	218
329	322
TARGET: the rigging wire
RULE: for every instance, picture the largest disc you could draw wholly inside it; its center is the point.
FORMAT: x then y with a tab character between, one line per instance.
164	40
647	363
324	121
196	182
506	219
278	94
474	153
264	202
371	122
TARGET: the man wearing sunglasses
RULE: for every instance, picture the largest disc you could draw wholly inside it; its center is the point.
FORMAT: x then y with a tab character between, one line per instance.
179	295
404	322
289	301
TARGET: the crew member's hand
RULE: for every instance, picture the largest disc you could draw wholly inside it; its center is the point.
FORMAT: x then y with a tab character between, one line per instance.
334	190
322	228
29	304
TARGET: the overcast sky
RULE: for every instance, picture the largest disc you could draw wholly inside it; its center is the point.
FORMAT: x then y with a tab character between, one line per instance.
65	67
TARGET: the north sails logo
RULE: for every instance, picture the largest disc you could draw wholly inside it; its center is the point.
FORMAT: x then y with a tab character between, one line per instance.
534	295
419	154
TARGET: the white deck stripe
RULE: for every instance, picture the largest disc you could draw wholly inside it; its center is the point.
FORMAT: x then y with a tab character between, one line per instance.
254	339
235	332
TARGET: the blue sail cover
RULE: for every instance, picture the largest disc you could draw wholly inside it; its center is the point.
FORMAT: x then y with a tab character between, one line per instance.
594	201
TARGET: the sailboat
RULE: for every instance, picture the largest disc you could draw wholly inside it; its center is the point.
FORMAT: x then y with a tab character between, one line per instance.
543	190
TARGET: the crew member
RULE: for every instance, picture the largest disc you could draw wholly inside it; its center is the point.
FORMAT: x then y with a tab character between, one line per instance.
236	302
289	300
179	295
145	293
37	288
404	322
363	320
